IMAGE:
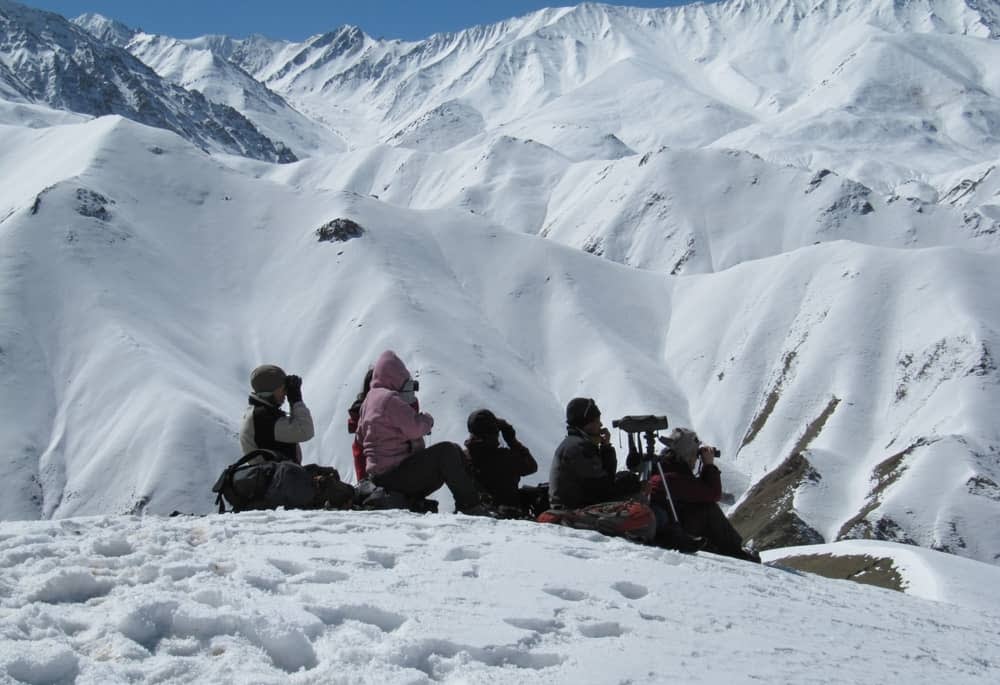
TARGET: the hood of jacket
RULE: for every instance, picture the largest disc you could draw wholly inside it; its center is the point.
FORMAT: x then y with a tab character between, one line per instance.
390	372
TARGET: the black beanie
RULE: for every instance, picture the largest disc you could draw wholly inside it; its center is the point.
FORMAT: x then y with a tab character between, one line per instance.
483	423
580	411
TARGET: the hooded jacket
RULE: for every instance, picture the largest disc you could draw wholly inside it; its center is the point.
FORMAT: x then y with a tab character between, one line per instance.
389	429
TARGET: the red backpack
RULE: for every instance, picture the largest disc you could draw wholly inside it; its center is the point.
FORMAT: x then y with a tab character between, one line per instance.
628	519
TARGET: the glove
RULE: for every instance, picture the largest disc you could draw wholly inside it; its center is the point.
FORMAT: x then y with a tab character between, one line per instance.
507	431
293	389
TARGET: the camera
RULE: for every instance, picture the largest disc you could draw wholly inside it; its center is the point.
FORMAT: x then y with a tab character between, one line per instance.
641	424
411	385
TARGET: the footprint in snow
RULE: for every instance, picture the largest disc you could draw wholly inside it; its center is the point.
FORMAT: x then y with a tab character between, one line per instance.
536	625
460	553
113	547
386	621
603	629
383	559
630	590
565	593
287	567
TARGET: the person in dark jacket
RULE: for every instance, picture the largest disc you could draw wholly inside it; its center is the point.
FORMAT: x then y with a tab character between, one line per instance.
498	470
696	492
584	464
265	425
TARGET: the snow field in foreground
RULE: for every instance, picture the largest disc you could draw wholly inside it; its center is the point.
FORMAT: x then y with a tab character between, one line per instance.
321	597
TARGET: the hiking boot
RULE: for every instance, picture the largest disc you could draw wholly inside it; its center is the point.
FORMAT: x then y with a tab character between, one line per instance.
750	554
480	510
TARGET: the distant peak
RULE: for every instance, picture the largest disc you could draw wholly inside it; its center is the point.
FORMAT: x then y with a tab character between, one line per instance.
105	29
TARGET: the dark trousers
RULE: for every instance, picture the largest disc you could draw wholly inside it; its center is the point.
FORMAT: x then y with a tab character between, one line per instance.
425	471
704	520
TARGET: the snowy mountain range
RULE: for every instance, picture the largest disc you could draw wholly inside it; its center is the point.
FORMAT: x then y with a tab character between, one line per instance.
46	59
776	221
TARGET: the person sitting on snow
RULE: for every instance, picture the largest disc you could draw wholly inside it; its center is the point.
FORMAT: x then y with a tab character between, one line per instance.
391	434
265	425
696	493
584	490
584	464
498	470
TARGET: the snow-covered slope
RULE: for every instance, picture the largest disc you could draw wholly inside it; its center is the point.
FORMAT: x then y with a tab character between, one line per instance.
791	209
321	597
47	59
143	280
677	211
913	570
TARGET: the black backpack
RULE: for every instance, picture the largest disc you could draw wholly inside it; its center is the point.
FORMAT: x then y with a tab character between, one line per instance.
263	479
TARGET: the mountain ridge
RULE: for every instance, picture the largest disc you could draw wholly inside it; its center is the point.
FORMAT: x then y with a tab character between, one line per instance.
65	67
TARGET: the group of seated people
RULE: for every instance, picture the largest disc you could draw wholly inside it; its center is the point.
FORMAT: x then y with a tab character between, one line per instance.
391	456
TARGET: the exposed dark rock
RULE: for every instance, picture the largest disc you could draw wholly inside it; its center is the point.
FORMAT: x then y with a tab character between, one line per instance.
689	252
984	487
978	225
880	572
766	514
770	403
817	179
594	246
986	365
965	188
339	230
813	430
957	541
884	475
95	205
854	199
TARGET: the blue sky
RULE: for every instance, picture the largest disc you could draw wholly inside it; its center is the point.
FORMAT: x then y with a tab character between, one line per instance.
298	19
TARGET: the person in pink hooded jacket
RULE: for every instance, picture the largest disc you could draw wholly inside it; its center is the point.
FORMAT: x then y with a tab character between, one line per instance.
391	432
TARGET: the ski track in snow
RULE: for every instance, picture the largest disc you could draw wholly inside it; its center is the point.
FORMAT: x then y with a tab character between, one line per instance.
321	597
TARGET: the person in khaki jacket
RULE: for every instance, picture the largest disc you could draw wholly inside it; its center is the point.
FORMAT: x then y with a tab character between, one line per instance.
265	425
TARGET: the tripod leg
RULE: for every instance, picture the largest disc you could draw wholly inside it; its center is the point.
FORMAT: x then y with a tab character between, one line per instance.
666	490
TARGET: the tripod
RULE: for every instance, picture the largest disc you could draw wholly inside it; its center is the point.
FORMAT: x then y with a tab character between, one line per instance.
645	462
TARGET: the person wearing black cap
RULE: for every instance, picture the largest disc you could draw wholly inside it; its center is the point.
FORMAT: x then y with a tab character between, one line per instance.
584	465
265	425
497	470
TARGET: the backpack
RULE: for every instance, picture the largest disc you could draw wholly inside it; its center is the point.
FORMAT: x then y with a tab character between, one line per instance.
534	500
263	479
632	520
